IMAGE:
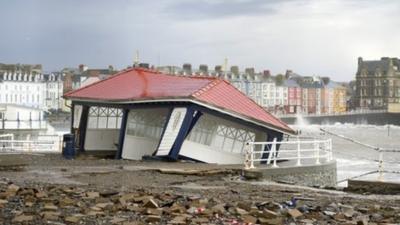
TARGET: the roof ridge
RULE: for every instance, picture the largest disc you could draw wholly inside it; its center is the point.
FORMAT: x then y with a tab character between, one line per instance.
206	87
108	78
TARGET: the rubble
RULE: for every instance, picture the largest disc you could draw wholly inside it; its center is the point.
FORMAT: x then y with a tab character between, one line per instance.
72	205
121	201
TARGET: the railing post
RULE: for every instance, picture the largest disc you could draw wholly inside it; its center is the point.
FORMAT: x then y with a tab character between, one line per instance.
249	157
273	152
12	142
316	148
298	153
380	166
330	149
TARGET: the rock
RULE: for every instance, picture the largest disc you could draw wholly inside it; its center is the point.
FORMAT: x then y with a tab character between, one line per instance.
347	210
50	215
117	220
92	194
22	218
329	213
104	205
150	204
178	220
241	212
153	219
66	202
294	213
200	220
152	211
275	221
13	188
249	219
220	208
50	207
73	219
245	205
362	221
269	214
41	194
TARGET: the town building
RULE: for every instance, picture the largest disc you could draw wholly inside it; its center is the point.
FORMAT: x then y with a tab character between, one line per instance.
54	91
140	112
377	83
22	85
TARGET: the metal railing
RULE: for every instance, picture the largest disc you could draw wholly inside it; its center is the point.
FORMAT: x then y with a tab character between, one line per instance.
353	112
45	143
314	151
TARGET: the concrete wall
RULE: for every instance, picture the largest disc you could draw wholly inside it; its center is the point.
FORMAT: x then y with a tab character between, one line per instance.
13	112
372	118
323	175
101	139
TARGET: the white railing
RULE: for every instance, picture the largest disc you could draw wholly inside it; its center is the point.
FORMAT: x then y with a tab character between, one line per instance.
49	143
310	152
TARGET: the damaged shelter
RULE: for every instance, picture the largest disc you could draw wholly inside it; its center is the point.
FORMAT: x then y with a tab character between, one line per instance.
140	112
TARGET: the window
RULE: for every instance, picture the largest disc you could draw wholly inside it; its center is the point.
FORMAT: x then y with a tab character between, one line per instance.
220	134
148	123
104	118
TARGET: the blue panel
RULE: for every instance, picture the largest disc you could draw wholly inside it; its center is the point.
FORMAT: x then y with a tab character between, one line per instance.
83	127
186	124
122	132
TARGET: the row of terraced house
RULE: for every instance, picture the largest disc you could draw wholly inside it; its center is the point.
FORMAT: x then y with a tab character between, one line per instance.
288	93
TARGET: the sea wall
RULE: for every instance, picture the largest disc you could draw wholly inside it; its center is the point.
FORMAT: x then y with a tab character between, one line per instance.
323	175
371	118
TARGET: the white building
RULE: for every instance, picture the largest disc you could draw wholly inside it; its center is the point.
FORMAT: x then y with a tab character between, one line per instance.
54	91
23	89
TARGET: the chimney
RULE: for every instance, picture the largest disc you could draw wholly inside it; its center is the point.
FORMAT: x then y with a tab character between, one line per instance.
82	68
360	60
250	70
218	68
203	68
144	65
187	67
267	73
235	70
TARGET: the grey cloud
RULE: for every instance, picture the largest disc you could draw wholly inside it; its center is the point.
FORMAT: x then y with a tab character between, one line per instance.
206	9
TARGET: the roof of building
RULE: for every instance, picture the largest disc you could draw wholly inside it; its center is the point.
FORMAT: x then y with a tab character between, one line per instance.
140	85
290	83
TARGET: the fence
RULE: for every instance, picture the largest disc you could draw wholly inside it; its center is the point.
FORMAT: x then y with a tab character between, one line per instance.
381	151
311	152
44	143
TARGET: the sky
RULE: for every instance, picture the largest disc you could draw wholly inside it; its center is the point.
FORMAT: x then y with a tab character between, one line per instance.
311	37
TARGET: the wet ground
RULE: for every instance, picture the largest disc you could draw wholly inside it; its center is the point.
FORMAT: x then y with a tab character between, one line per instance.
185	181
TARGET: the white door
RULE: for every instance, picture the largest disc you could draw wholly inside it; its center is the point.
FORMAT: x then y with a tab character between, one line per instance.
171	132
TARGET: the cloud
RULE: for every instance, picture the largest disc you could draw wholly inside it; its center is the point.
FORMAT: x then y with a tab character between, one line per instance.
209	9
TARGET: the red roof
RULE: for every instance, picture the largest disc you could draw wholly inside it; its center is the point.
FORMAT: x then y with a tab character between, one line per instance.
139	84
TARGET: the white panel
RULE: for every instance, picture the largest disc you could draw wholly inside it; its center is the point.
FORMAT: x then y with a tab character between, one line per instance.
209	155
77	115
172	130
101	139
137	147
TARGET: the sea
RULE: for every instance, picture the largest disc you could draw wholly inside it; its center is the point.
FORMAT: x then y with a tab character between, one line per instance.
355	149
